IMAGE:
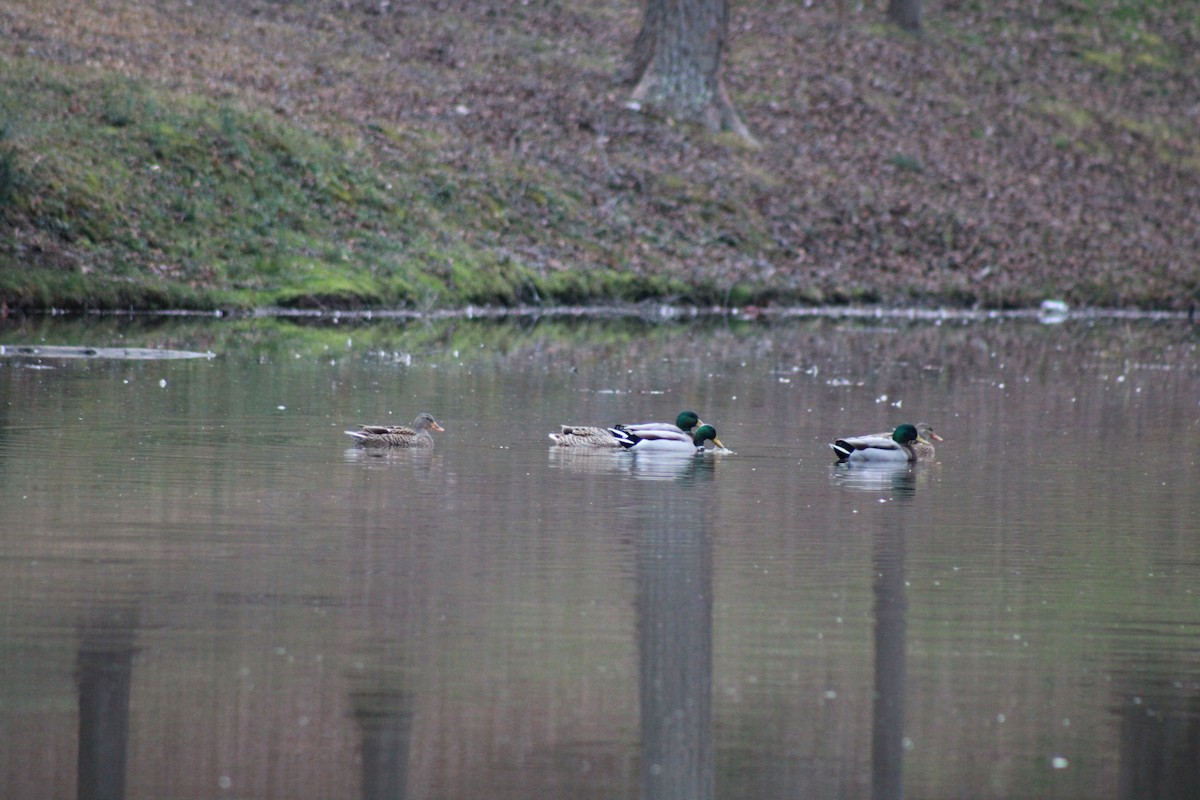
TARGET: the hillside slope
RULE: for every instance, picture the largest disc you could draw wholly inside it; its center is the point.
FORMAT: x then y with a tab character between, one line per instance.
352	153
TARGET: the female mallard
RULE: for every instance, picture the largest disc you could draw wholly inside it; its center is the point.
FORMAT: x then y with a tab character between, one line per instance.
398	435
906	443
662	440
603	439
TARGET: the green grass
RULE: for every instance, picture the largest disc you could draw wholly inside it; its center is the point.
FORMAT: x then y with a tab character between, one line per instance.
132	197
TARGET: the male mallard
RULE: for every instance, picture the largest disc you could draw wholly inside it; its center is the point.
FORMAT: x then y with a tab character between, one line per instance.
602	438
923	446
661	440
398	435
903	444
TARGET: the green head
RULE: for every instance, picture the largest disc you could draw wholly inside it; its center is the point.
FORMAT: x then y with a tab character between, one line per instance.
707	433
687	420
905	434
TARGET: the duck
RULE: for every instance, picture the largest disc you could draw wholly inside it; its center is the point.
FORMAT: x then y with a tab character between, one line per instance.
398	435
906	443
923	446
601	438
662	440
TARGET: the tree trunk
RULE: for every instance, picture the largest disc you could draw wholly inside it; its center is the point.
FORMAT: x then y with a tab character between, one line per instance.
905	13
676	63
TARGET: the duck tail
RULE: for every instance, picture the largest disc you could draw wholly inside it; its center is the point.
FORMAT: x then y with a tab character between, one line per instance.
625	437
841	449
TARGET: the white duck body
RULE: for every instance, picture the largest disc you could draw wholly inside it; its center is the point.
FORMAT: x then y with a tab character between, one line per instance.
900	447
597	437
873	449
658	439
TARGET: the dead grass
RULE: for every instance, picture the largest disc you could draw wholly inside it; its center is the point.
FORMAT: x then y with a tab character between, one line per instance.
1014	152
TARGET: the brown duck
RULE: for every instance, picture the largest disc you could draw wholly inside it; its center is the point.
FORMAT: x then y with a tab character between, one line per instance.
398	435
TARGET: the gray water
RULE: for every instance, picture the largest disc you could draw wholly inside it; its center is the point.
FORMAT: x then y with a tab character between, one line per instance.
208	592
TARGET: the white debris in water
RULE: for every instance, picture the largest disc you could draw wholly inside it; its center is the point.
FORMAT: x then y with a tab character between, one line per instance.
1058	762
162	383
881	399
1053	312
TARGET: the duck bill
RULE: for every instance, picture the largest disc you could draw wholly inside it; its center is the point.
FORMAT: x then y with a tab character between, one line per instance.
717	442
935	437
438	428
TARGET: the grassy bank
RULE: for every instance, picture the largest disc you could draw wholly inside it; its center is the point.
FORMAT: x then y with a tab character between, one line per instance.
138	197
325	154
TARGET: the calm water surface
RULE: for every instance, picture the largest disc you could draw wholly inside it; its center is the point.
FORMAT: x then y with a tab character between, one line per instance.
208	593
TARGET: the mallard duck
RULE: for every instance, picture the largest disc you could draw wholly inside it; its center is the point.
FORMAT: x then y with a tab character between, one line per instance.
661	440
596	437
926	436
923	446
398	435
905	443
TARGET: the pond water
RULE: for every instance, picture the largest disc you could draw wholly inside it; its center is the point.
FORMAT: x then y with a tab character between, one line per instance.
208	592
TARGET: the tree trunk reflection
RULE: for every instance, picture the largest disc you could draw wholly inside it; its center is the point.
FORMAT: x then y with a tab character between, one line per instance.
891	621
105	669
674	610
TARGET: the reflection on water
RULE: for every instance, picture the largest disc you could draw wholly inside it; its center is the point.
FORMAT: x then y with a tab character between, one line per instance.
898	478
643	466
891	657
1160	741
385	722
208	594
674	625
105	669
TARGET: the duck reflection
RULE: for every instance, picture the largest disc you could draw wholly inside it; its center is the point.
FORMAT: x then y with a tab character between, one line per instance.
901	479
672	467
674	613
600	462
422	463
649	466
105	667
